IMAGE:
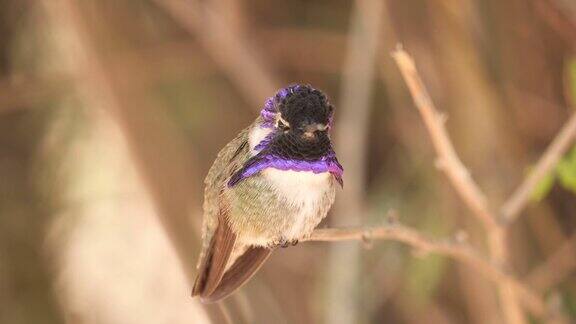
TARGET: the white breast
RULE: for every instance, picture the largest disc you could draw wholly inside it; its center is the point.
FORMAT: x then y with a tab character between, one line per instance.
305	191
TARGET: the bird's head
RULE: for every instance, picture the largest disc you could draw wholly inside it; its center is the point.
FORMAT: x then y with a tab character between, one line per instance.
299	111
293	135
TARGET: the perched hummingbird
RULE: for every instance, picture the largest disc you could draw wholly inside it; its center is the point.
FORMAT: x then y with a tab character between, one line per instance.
269	187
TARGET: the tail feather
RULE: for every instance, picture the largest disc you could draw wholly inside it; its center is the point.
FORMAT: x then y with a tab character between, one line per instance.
226	265
215	260
238	274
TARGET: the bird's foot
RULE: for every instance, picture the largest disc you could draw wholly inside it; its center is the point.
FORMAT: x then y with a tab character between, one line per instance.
283	243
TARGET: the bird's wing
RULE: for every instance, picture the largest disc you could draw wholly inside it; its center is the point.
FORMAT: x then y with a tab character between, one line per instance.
243	269
215	260
216	279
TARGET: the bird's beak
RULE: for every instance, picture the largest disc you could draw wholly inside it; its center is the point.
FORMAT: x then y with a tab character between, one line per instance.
311	129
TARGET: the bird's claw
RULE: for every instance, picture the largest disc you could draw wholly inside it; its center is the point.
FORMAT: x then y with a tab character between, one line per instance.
286	243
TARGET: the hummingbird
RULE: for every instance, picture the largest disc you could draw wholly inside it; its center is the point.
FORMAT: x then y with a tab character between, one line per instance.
268	188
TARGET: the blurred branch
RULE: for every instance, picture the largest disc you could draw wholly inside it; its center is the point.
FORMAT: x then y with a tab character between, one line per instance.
182	58
351	138
568	7
156	150
21	91
518	200
563	25
323	50
456	248
465	186
225	45
556	268
95	83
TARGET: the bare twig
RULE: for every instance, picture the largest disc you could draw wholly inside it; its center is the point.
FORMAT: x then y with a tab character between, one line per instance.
465	186
457	249
518	200
448	160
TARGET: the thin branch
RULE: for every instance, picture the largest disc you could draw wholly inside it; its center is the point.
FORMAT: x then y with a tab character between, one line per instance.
456	248
518	200
448	160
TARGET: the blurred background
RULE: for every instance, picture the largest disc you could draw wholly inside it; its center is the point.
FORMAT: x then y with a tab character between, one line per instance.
111	113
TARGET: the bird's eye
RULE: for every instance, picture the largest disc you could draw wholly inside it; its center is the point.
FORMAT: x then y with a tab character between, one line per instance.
283	125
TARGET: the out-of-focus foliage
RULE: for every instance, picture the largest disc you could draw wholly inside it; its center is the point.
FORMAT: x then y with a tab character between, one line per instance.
544	187
565	173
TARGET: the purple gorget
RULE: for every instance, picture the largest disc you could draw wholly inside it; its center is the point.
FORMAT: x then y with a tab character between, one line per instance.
259	162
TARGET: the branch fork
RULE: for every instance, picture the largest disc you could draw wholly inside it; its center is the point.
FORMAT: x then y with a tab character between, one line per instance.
513	293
